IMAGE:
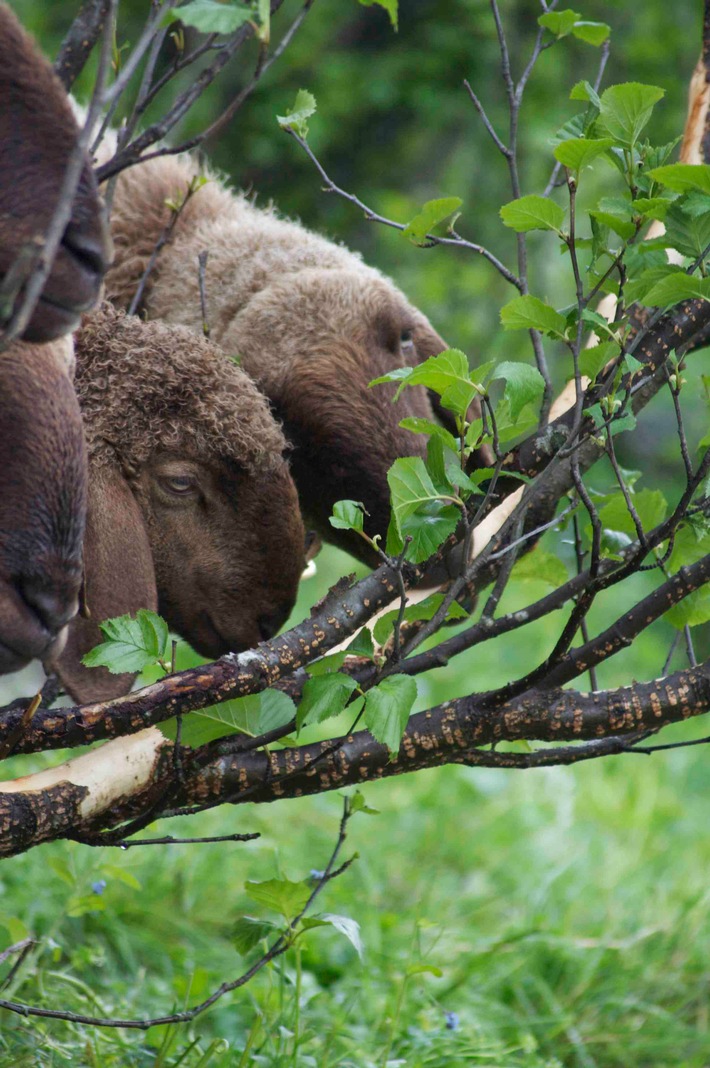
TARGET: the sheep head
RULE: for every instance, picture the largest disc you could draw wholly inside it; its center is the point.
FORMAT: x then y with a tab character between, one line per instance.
192	507
38	132
310	322
313	342
42	501
228	546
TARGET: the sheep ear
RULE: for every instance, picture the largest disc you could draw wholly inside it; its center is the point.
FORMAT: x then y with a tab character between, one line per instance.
118	578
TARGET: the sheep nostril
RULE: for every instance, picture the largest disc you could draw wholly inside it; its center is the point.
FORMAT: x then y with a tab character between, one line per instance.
53	609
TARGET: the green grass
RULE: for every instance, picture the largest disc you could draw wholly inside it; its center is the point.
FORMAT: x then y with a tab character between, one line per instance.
566	910
560	913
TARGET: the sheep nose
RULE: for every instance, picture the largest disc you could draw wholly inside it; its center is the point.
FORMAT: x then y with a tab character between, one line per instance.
53	609
92	247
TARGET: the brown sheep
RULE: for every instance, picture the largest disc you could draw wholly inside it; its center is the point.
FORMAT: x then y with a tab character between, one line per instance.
42	456
311	324
37	133
191	505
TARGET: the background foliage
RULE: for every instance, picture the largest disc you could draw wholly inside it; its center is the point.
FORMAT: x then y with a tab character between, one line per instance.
566	909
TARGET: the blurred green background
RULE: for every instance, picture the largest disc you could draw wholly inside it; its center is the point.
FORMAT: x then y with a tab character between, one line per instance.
565	910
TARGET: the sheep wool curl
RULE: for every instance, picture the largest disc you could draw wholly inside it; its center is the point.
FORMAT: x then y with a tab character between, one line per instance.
143	387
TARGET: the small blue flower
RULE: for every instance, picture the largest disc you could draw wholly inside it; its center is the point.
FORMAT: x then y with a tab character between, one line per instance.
452	1021
99	886
316	876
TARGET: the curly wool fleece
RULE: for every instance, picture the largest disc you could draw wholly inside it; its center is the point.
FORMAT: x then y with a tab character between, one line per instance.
145	386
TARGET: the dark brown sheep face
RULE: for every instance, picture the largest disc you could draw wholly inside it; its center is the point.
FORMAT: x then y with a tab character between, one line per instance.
228	548
38	133
42	503
345	435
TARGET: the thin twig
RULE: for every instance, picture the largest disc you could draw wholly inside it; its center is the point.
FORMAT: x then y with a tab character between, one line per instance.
372	216
201	268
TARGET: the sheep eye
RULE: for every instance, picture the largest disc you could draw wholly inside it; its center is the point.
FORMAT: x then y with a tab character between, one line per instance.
179	484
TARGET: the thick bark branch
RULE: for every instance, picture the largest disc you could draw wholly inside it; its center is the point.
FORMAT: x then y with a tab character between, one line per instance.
79	42
447	733
451	733
345	609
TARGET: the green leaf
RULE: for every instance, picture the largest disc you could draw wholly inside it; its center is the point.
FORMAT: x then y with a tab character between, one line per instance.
436	465
297	117
623	227
559	23
327	665
532	213
256	714
418	510
650	505
248	932
428	528
637	288
324	696
390	6
577	126
683	176
358	804
695	204
509	428
591	361
411	487
430	214
387	709
676	287
131	643
539	566
447	374
458	478
425	426
689	234
585	91
210	16
523	385
275	710
651	207
689	546
361	645
530	313
580	152
348	927
348	515
692	611
424	610
280	895
593	33
155	632
597	322
625	110
639	258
